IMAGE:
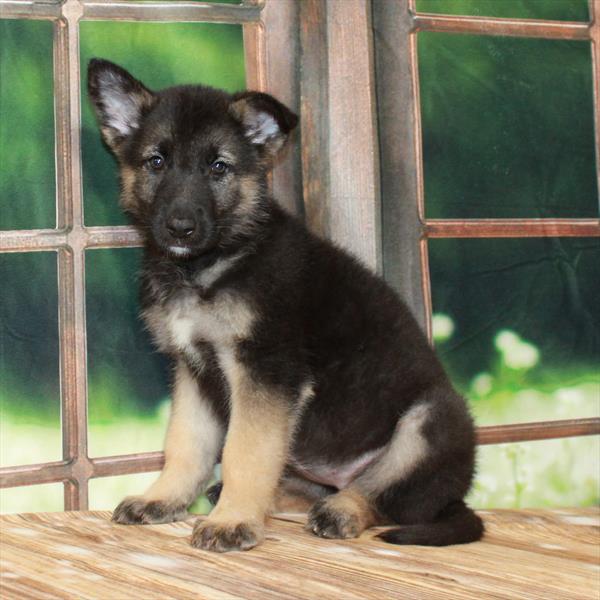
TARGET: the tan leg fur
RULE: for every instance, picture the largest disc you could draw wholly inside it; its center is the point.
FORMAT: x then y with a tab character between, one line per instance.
297	494
193	442
343	515
256	447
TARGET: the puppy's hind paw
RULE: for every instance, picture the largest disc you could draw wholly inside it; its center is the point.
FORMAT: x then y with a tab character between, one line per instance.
136	510
328	521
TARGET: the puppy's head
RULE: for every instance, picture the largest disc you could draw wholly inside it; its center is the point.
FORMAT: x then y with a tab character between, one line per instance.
193	159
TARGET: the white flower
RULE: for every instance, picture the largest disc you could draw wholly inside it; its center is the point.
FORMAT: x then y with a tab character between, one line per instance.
482	384
442	327
516	353
505	340
522	356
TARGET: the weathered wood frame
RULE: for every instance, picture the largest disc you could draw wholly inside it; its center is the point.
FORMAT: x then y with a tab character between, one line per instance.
383	163
71	237
356	176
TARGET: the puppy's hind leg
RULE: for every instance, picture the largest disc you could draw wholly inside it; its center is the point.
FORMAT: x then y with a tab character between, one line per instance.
294	493
349	512
428	499
194	440
419	482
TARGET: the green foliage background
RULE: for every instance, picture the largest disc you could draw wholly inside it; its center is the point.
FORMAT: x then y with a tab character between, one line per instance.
507	132
557	10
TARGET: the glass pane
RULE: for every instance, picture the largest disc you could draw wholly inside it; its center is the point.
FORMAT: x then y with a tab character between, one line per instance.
160	54
544	474
128	392
508	127
107	492
517	324
562	10
27	184
29	359
48	497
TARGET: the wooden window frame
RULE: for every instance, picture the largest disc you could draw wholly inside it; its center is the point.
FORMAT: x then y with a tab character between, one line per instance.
71	237
315	79
382	219
405	249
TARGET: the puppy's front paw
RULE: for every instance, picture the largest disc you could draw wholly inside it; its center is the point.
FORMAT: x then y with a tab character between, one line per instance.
328	521
219	536
135	510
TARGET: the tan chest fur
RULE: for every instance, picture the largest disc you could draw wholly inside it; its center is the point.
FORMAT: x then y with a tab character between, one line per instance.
185	320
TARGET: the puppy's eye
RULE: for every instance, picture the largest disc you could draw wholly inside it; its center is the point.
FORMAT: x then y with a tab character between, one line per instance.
218	167
156	162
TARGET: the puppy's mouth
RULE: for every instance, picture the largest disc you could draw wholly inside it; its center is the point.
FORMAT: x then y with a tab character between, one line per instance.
183	244
186	251
186	248
179	251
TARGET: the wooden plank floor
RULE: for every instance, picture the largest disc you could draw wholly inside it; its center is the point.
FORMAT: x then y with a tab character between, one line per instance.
525	554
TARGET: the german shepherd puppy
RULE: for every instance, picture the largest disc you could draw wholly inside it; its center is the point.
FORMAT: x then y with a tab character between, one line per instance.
299	369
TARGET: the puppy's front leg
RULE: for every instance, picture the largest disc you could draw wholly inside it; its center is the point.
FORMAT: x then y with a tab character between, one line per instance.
255	452
194	440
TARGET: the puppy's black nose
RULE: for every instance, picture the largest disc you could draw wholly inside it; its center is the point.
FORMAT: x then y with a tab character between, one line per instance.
181	228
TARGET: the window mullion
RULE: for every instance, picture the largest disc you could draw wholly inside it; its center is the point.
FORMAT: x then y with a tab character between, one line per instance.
71	258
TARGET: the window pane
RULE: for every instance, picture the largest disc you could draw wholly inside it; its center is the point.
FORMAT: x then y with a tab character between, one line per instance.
562	10
107	492
160	54
544	474
128	392
27	184
29	359
48	497
517	324
508	127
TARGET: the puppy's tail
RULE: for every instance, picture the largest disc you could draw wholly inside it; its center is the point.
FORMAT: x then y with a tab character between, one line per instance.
455	524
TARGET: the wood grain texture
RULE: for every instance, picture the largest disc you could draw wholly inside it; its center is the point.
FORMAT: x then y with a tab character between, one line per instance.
530	28
281	33
180	11
404	258
544	430
352	202
72	331
594	7
314	103
525	554
510	228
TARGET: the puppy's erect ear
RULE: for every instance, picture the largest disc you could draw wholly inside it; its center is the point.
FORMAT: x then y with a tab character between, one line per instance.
120	100
267	123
